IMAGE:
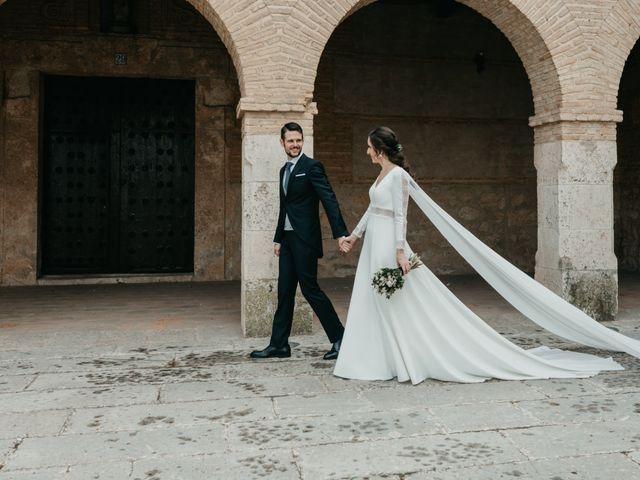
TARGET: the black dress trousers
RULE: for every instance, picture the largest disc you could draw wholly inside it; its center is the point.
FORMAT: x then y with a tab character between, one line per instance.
298	263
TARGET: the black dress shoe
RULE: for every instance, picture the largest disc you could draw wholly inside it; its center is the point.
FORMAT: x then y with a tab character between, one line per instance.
333	353
272	352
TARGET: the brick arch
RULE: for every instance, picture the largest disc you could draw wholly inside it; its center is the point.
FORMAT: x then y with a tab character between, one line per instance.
213	12
620	31
221	17
514	22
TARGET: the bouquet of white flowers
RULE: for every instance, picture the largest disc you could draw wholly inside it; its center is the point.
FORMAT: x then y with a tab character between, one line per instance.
387	280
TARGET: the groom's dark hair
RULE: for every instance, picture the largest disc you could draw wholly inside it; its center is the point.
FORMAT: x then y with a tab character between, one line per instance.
290	127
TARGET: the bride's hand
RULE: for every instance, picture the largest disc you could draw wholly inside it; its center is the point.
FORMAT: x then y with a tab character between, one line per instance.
403	263
347	243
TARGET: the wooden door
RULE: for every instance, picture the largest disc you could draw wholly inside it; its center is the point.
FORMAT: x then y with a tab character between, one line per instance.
118	176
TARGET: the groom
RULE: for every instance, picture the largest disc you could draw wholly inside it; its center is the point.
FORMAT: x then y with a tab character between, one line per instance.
298	244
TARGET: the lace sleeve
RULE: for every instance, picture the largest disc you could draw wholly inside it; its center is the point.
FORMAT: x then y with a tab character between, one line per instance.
400	198
362	224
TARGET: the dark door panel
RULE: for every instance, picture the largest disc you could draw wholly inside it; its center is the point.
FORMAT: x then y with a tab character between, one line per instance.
75	199
156	151
118	185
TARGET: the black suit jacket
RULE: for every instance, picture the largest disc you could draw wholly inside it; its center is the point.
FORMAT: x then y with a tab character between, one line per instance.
308	185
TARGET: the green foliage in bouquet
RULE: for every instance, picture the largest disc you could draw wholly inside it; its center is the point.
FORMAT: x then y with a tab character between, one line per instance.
387	280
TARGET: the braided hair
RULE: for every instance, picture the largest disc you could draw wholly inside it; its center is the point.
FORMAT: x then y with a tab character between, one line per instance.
383	139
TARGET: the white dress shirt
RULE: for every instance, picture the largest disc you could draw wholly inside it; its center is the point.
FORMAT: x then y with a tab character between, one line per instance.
287	223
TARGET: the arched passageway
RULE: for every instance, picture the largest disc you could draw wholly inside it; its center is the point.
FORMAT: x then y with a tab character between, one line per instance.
627	171
121	148
454	89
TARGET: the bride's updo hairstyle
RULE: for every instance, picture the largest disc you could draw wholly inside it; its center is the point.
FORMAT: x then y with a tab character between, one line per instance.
383	139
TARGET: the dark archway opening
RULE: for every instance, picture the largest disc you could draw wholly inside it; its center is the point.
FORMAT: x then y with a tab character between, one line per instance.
453	88
627	172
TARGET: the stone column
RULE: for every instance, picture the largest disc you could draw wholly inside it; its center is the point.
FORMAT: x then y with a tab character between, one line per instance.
262	158
20	178
575	160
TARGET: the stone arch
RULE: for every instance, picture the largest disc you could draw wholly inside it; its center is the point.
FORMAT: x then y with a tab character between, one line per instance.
514	22
221	18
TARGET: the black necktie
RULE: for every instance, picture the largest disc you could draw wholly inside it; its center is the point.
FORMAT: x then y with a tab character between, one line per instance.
287	173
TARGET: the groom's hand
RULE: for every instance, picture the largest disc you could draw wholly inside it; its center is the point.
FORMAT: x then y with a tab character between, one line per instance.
276	249
344	245
341	242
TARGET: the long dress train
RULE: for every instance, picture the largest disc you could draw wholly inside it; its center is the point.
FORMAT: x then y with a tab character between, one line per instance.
425	331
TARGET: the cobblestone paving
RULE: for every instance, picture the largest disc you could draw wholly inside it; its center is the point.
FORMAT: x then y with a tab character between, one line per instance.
153	382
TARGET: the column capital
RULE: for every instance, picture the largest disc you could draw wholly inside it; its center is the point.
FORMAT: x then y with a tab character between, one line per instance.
276	106
262	116
603	129
612	115
269	122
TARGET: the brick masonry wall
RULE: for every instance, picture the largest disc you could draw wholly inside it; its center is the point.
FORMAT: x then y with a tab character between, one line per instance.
573	51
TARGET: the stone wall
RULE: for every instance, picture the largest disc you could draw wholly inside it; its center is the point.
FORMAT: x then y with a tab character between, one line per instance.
173	41
464	125
20	160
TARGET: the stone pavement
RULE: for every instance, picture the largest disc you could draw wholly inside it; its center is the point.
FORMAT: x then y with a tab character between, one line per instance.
152	382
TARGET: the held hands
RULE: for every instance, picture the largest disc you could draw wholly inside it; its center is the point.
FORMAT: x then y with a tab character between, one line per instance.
403	263
345	244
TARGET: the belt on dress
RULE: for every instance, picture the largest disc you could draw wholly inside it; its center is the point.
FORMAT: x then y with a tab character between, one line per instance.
381	211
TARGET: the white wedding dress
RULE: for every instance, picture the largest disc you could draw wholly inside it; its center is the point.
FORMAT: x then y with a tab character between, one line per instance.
424	331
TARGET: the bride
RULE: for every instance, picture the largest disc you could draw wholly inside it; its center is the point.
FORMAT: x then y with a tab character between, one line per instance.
424	331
